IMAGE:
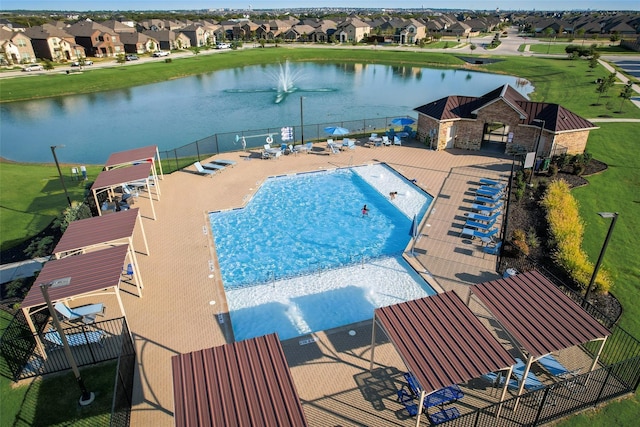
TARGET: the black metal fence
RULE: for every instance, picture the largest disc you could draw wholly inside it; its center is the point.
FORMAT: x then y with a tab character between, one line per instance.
181	157
562	398
123	388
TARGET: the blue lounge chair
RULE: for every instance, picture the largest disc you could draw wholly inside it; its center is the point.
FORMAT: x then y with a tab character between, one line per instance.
74	340
492	250
490	189
486	208
531	382
202	171
491	182
87	313
443	396
473	233
413	384
480	217
488	193
407	401
479	225
488	200
497	380
555	368
444	415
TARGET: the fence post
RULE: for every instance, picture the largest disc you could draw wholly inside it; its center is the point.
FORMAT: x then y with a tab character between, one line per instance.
604	384
541	406
198	150
175	156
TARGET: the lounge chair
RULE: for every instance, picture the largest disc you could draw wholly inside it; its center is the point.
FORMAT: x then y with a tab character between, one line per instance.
270	153
224	162
397	140
479	217
351	144
385	140
407	401
531	382
490	189
333	147
74	340
305	147
482	191
488	200
443	396
212	166
444	415
492	182
486	208
492	250
555	368
479	225
202	171
497	380
473	233
87	313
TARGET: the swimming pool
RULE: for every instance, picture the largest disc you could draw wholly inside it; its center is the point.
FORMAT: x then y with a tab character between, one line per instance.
311	224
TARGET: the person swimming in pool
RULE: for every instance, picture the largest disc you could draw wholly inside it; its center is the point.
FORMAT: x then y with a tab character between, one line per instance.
365	210
393	195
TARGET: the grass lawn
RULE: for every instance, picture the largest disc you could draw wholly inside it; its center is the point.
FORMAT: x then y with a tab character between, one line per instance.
31	196
615	190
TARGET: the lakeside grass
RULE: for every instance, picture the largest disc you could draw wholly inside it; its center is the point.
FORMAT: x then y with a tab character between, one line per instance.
569	83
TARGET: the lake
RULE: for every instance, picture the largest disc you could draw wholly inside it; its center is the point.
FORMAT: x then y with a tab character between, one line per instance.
178	112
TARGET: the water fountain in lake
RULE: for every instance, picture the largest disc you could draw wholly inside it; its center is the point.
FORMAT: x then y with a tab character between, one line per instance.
285	79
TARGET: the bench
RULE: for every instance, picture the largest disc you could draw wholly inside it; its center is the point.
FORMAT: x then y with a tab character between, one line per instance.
444	415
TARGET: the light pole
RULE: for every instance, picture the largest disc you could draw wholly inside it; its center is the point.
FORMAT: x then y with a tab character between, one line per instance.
301	121
87	397
614	216
535	156
55	158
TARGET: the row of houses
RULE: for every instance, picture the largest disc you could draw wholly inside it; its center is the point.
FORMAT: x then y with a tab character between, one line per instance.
59	41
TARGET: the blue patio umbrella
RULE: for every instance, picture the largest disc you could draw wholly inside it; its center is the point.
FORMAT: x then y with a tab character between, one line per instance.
335	130
403	121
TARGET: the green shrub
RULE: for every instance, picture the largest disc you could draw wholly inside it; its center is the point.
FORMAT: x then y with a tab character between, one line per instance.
167	60
567	230
532	238
40	247
553	170
519	240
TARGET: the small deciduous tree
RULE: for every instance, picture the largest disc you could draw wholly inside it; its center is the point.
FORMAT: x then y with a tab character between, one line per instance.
625	94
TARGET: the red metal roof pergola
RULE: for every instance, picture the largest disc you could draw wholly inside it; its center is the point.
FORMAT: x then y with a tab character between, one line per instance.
86	274
109	179
539	317
246	383
137	155
441	341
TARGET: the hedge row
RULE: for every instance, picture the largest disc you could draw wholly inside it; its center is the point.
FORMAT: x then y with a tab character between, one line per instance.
567	229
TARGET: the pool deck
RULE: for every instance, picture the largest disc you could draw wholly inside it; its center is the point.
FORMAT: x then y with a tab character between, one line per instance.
176	313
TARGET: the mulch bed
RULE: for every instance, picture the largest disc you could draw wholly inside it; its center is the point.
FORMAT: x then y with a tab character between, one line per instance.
527	214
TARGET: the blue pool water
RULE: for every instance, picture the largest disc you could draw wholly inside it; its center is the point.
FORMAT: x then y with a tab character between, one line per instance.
309	224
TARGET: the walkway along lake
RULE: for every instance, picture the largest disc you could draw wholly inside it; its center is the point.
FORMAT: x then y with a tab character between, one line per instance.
178	112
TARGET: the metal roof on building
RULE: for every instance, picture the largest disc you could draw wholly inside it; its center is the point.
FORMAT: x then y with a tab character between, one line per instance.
141	154
246	383
96	230
85	273
537	314
116	177
441	341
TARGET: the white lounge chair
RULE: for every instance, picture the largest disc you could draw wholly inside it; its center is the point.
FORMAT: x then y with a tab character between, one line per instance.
333	148
397	140
224	162
213	166
305	147
203	171
87	313
385	140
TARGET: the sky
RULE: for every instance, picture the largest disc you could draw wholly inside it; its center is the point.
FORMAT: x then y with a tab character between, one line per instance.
87	5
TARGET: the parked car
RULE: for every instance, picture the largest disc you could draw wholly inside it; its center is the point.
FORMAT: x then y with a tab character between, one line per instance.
160	53
131	57
33	67
223	45
78	63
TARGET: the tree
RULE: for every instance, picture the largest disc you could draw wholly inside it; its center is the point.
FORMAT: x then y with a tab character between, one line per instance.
604	85
120	58
626	93
48	65
547	33
580	33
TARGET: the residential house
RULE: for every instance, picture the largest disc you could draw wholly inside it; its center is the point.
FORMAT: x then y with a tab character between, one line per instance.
139	43
352	30
245	30
15	48
119	27
505	118
52	43
196	34
324	32
458	29
301	33
273	29
98	40
169	40
412	32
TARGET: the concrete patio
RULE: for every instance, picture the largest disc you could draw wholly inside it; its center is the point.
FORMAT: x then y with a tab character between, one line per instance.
183	306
